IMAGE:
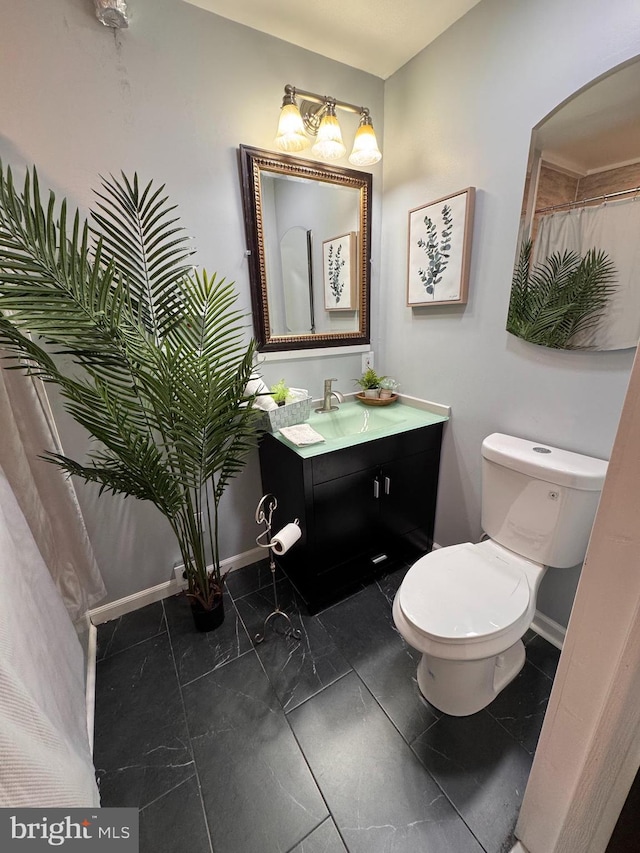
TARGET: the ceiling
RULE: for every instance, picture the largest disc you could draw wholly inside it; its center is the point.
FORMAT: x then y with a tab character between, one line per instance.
598	128
377	36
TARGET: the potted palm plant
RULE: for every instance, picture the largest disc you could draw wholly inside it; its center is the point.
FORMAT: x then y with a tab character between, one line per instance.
370	383
156	357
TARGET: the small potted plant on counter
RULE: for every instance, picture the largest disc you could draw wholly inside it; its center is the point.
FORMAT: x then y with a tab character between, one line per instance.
370	383
388	388
280	392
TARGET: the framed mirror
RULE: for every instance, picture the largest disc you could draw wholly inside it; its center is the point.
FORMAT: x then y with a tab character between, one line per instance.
575	284
308	232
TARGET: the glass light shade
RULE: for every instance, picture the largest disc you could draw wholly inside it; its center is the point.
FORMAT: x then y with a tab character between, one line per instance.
365	147
291	135
329	144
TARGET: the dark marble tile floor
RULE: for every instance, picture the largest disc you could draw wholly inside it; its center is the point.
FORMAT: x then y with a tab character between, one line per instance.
318	746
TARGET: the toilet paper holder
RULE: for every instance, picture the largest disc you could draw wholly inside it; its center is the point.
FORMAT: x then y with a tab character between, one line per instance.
264	514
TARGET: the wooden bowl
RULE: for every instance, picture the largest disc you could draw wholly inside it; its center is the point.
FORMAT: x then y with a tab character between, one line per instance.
377	401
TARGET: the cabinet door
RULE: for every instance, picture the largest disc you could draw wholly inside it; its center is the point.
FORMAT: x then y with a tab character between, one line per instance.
346	515
408	488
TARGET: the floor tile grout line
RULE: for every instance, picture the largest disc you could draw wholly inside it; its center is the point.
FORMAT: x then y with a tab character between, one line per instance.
419	760
302	753
186	720
284	713
511	735
409	744
118	621
313	695
299	745
133	646
417	757
330	813
170	790
286	718
226	662
286	710
541	671
446	796
311	831
216	668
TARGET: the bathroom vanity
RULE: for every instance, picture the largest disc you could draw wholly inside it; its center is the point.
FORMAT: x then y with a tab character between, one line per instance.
365	497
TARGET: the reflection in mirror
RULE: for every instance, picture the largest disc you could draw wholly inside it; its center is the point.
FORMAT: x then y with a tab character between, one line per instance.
292	208
296	318
580	195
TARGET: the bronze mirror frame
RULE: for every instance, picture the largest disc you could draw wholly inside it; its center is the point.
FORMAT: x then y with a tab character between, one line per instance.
252	162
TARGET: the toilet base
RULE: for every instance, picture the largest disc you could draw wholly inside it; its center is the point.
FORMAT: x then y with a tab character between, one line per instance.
463	687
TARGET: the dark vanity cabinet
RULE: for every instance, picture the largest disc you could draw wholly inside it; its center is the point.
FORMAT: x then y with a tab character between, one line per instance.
363	510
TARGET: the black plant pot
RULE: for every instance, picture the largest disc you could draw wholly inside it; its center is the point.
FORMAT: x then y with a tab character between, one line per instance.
208	620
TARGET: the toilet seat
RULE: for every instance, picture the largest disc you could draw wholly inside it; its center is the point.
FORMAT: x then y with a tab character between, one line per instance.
466	594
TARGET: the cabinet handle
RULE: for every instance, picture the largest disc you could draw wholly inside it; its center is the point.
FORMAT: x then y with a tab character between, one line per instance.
387	485
376	488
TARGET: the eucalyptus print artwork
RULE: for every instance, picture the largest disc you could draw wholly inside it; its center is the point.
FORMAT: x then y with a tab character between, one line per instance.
335	264
439	250
338	259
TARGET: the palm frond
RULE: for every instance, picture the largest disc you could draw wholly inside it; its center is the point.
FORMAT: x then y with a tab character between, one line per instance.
140	237
561	298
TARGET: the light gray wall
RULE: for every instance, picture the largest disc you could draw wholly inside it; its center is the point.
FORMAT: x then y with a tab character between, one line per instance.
171	97
460	114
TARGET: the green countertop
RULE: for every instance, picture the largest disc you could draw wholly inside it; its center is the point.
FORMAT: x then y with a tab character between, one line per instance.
355	423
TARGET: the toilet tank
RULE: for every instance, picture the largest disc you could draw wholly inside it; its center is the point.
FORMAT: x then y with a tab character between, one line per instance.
539	501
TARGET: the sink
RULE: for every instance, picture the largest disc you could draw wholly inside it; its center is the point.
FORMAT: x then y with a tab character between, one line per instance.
354	419
355	423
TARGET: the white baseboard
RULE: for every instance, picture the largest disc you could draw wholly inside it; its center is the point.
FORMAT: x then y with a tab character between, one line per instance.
550	630
90	680
129	603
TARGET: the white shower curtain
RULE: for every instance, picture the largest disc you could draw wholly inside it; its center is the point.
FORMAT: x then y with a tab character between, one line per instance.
48	581
45	496
45	756
613	227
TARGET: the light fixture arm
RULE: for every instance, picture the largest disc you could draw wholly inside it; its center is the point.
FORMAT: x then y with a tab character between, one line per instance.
291	92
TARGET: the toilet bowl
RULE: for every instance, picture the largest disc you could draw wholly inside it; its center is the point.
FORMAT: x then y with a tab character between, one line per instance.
466	608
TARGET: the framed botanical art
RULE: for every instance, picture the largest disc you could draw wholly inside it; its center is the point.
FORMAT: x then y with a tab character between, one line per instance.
440	250
339	267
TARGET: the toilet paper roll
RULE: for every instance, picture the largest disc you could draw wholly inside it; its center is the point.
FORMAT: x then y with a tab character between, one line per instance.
285	538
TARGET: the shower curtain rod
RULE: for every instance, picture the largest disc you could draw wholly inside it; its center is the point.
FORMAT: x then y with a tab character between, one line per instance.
587	200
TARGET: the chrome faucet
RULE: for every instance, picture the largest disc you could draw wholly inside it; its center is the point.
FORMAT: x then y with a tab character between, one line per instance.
328	394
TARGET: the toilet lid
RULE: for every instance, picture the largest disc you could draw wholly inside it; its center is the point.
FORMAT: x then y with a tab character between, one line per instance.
464	592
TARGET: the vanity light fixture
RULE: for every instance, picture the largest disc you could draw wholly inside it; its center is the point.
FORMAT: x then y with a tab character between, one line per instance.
329	144
316	116
365	150
290	135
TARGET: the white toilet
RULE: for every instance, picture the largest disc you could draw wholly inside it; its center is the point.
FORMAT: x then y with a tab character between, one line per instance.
466	607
